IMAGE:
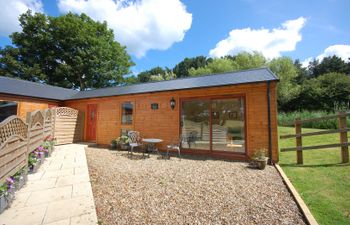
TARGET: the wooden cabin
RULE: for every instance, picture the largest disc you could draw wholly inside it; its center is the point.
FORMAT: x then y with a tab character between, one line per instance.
228	115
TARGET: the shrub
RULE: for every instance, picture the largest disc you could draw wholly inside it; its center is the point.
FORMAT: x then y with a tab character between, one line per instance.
287	119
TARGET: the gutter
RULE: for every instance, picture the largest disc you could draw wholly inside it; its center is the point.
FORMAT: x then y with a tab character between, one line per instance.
269	121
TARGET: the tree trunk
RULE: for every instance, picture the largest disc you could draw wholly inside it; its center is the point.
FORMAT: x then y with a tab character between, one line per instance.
82	84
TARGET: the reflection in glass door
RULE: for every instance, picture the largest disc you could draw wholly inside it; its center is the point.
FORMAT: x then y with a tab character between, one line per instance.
195	120
221	130
228	125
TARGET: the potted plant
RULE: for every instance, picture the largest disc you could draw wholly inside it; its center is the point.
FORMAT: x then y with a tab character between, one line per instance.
123	141
49	143
3	197
33	164
40	152
114	144
260	159
47	149
10	190
20	179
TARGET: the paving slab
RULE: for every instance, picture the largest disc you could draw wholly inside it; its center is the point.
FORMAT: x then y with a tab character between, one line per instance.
58	194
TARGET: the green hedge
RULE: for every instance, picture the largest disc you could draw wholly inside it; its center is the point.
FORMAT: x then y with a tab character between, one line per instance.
286	119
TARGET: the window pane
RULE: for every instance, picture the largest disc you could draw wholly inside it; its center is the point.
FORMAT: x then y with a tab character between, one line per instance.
195	125
228	125
7	109
127	110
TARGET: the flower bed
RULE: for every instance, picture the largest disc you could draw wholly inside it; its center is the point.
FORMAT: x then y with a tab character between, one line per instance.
19	179
7	193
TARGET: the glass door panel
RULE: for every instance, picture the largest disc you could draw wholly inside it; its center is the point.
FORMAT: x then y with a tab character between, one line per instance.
195	124
228	125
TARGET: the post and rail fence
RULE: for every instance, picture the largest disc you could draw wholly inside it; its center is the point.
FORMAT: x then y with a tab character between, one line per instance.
342	130
19	138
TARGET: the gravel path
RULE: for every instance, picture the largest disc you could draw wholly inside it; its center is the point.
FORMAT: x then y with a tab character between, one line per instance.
190	191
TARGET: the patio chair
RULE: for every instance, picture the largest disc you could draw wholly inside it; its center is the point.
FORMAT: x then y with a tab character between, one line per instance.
135	141
192	137
175	146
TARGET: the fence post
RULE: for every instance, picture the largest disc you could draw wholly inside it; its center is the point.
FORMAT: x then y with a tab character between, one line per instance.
298	141
343	137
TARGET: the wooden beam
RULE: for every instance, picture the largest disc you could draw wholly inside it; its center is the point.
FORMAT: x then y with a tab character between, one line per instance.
314	133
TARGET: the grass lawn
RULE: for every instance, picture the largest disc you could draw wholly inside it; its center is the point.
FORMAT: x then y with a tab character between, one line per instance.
323	182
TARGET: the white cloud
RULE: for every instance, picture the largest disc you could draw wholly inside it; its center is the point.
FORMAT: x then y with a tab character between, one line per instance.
11	10
140	25
342	51
269	42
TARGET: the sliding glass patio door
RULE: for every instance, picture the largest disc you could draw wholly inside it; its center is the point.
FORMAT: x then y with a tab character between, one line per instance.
228	125
215	124
195	121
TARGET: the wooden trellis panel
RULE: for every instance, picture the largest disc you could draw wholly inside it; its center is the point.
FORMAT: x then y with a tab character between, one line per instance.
68	125
48	123
13	146
35	130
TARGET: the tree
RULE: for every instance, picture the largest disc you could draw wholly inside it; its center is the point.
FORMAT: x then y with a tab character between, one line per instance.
245	60
328	65
145	76
287	89
220	65
71	51
302	72
326	92
241	61
183	67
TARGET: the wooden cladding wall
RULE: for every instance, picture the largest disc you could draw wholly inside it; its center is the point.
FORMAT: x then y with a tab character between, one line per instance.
13	146
25	104
68	125
164	122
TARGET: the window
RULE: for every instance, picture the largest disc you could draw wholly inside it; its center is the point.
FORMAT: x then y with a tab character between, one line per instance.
127	110
7	109
213	124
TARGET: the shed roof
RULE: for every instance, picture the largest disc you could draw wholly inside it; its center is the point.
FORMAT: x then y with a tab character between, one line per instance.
15	86
214	80
26	88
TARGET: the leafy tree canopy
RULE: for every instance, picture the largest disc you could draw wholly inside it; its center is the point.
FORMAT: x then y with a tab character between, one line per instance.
288	89
241	61
183	67
71	51
328	65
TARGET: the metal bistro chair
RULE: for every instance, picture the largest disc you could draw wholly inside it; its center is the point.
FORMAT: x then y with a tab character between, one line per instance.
135	142
175	146
192	138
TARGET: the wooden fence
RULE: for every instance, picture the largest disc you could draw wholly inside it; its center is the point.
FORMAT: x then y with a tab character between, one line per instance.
342	130
18	138
13	146
68	125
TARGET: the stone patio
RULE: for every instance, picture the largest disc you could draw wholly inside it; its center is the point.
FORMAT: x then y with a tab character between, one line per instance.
58	194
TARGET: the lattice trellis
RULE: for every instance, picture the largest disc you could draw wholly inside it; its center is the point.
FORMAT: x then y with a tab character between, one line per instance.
37	117
12	126
65	111
48	115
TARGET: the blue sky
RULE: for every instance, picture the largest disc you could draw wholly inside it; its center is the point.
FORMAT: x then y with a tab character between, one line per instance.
159	32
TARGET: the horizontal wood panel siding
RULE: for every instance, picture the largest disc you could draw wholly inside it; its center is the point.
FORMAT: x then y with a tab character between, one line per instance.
164	122
25	104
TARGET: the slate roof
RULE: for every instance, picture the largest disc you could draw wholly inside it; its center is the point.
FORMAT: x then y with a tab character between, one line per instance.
14	86
19	87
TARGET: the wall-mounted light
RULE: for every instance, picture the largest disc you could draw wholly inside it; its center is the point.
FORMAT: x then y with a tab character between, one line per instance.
172	103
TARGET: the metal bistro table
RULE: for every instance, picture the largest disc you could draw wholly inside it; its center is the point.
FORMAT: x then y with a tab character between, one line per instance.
151	144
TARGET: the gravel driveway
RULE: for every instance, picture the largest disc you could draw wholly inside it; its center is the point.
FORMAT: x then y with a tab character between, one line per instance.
190	191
